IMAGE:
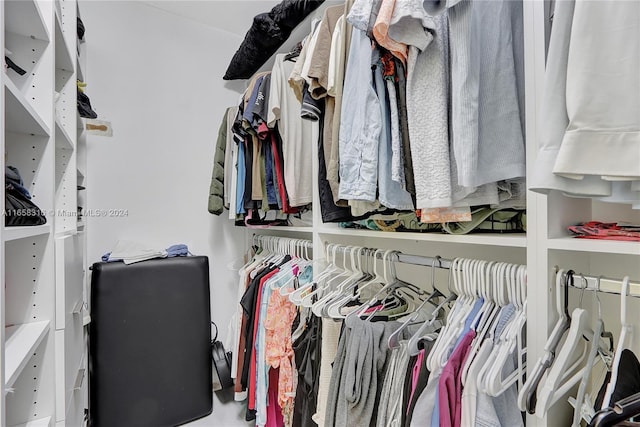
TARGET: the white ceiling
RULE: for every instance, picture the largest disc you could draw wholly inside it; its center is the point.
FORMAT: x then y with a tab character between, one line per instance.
232	16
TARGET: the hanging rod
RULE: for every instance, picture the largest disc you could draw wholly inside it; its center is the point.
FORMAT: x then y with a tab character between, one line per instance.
300	242
607	285
402	258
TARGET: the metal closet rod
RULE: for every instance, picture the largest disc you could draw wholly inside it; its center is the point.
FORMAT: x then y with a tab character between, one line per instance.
607	285
300	242
426	261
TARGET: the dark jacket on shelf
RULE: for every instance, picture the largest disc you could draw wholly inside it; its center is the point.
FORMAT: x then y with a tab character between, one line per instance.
267	33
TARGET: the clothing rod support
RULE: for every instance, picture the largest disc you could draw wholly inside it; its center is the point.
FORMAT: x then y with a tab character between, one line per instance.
607	285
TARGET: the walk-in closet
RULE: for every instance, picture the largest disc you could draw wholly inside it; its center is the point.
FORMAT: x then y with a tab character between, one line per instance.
338	213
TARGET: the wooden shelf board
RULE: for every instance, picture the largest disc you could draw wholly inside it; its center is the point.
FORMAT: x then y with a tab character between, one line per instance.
21	341
594	246
21	117
16	233
24	18
517	240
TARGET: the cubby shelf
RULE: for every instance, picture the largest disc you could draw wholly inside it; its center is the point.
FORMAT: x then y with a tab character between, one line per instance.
16	233
20	116
24	18
21	341
64	58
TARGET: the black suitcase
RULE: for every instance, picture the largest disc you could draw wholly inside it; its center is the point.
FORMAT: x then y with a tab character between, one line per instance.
150	343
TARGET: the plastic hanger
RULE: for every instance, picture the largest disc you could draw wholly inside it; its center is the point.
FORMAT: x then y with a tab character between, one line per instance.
323	282
511	340
457	317
347	290
579	402
334	309
297	295
563	376
490	292
394	338
626	335
527	397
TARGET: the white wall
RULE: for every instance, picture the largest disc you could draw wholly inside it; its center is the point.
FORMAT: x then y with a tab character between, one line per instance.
158	78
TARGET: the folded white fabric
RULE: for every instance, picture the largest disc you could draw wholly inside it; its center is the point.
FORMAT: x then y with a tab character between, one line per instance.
130	252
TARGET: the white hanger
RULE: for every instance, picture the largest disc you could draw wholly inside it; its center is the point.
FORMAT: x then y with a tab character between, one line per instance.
354	273
528	393
456	319
297	295
492	311
579	402
626	336
394	338
510	341
564	373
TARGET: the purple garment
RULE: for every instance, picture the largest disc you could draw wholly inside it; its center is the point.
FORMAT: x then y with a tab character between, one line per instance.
450	385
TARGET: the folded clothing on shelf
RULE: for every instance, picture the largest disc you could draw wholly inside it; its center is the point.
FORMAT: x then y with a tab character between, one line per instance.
606	231
19	210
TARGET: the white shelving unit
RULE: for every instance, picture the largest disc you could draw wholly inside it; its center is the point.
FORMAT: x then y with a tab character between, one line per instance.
42	267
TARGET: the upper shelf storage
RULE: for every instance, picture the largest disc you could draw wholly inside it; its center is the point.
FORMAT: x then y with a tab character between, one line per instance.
20	116
24	18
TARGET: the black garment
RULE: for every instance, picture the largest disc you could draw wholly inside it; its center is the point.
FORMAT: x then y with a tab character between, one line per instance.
401	88
628	382
312	108
261	108
307	355
267	33
329	210
423	378
248	303
13	66
247	201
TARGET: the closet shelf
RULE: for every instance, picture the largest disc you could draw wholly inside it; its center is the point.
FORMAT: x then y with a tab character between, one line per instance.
594	246
518	240
21	341
21	117
63	139
24	18
40	422
16	233
64	59
283	230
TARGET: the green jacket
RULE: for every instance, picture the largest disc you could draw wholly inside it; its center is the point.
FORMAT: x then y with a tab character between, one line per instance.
216	190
